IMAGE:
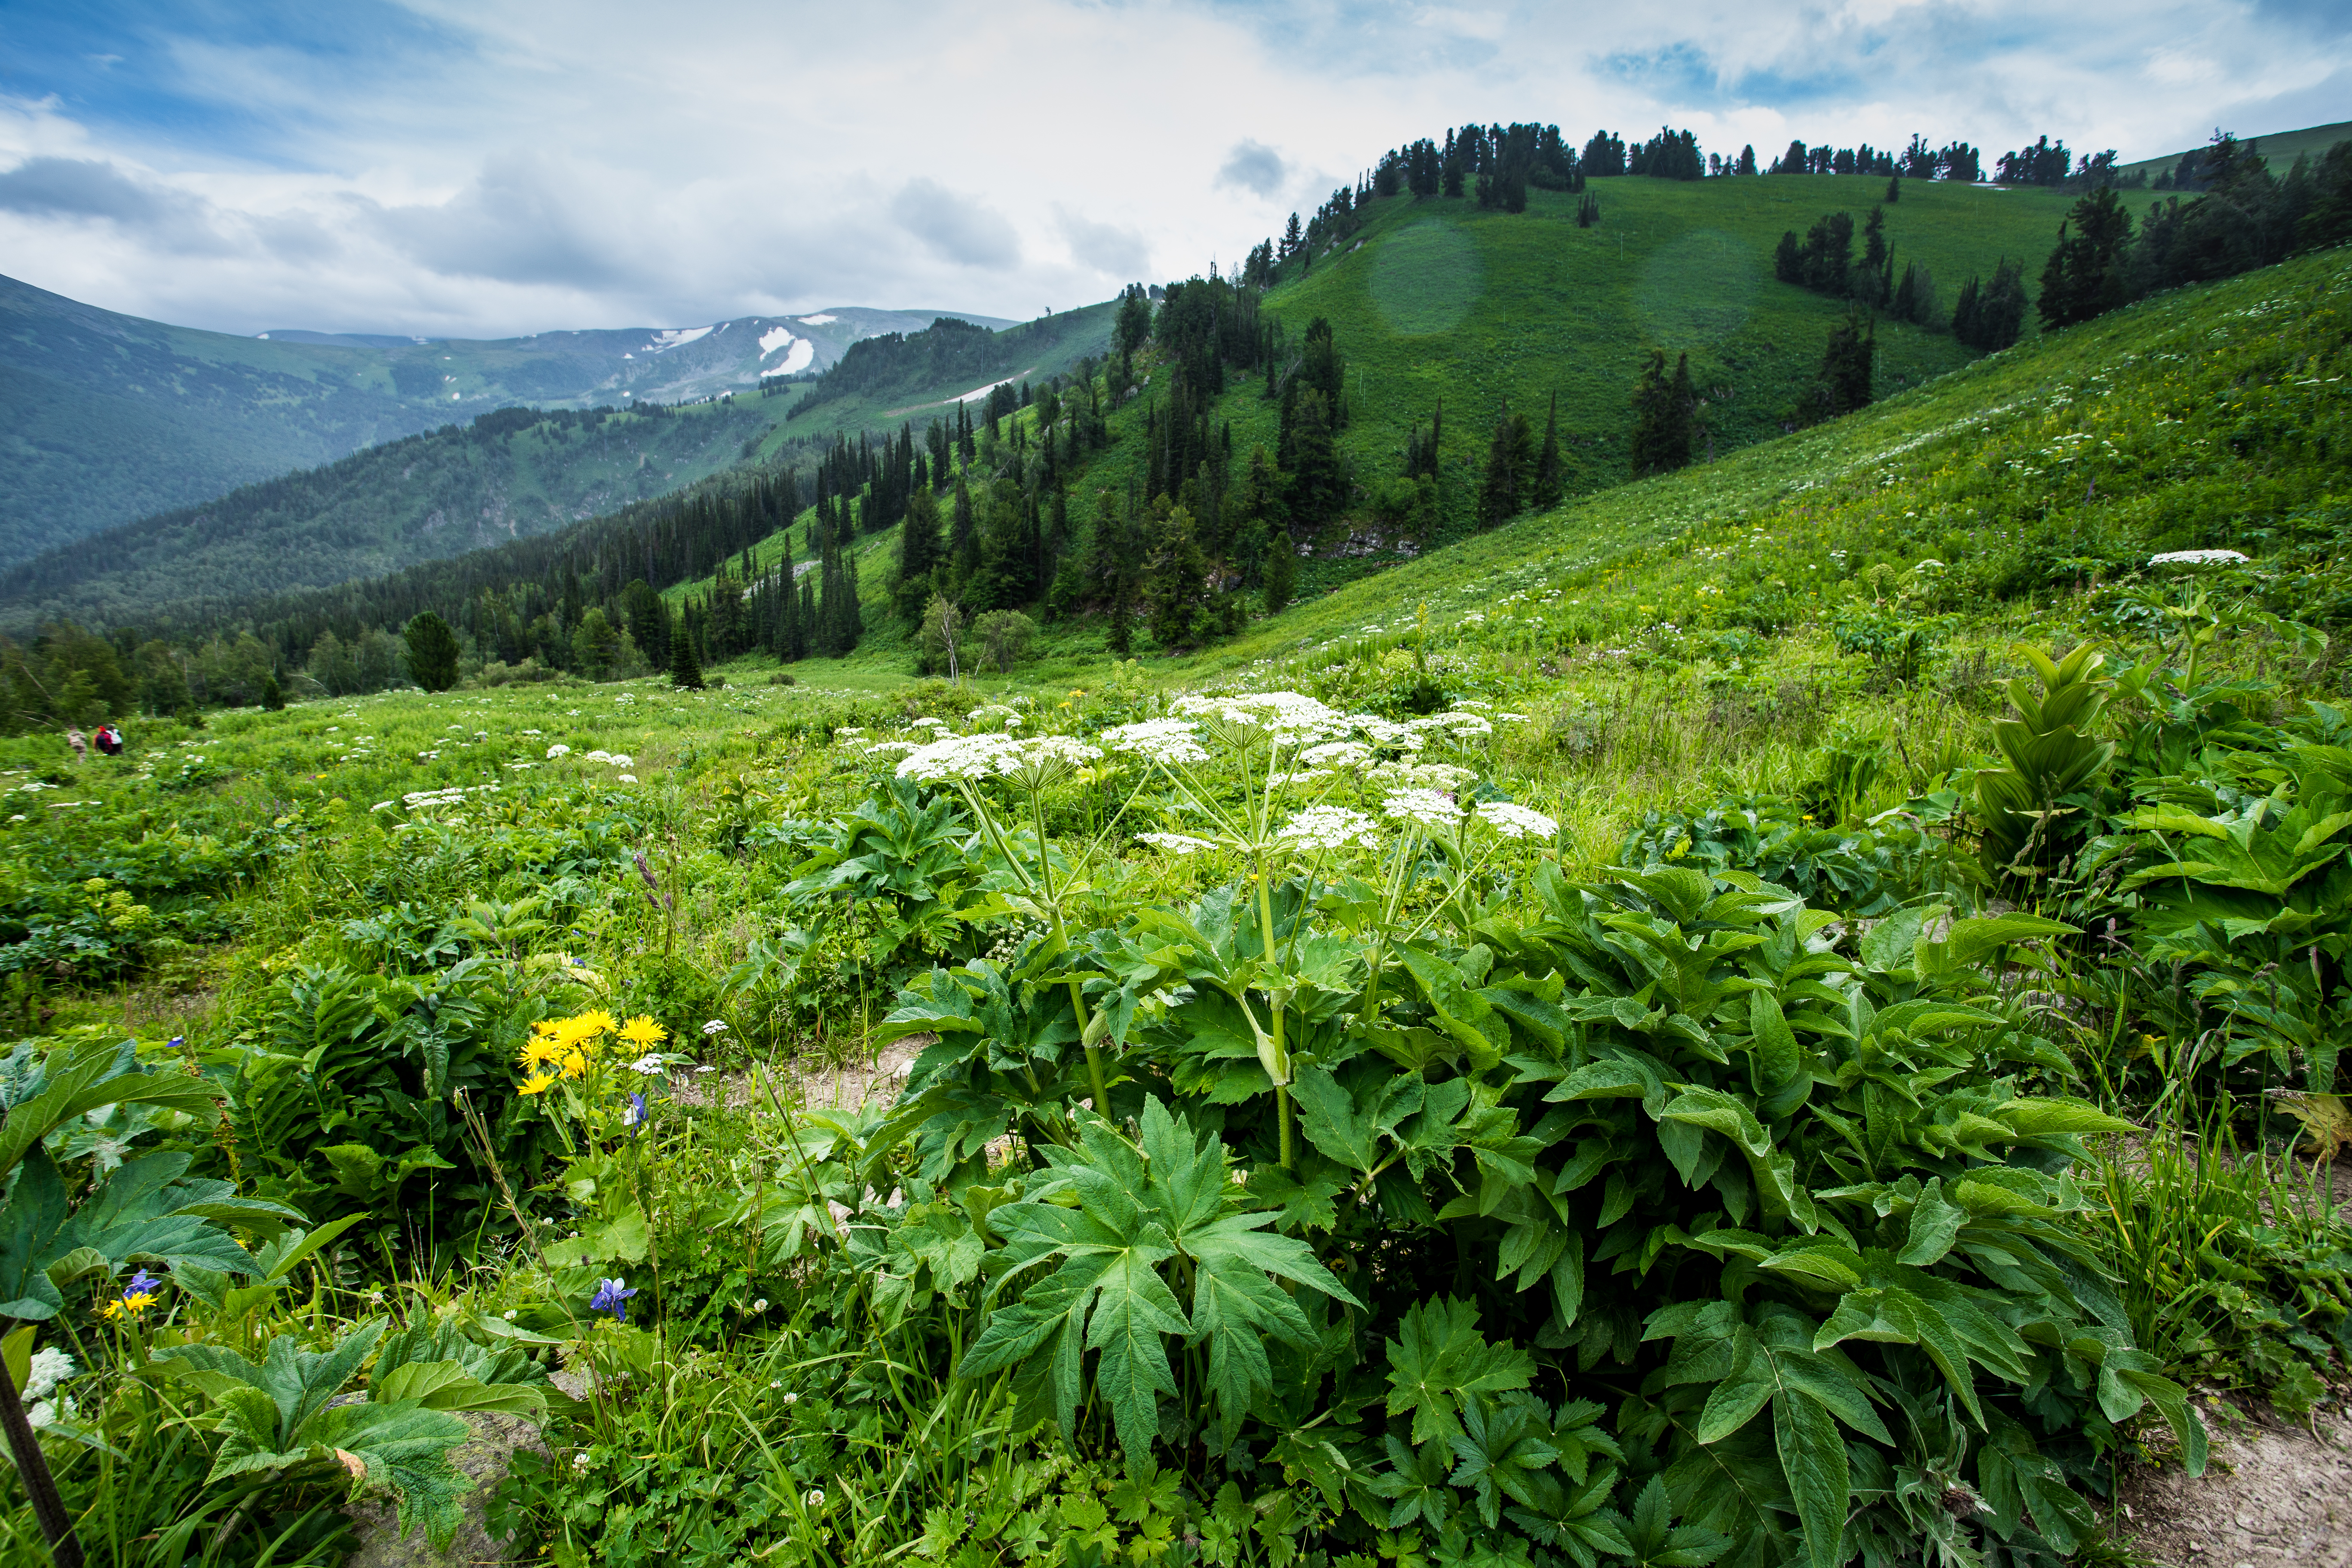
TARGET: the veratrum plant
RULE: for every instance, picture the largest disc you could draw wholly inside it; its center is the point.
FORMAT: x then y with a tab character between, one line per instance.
2251	892
1670	1146
2050	755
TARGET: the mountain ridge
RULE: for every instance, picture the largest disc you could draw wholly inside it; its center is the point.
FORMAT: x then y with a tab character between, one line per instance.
112	418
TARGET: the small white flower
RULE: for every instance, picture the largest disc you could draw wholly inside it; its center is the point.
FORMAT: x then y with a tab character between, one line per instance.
559	750
1515	821
376	1298
509	1314
1426	808
815	1498
48	1368
628	778
1337	754
2195	558
580	1461
1328	827
622	759
761	1305
715	1027
1175	843
647	1066
791	1396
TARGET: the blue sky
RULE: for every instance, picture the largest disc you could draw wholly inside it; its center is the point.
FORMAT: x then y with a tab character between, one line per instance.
499	167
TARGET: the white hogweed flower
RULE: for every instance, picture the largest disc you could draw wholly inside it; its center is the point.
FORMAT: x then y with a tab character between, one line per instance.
559	750
958	757
1175	843
1515	821
1426	808
1328	827
1337	754
2195	558
1167	741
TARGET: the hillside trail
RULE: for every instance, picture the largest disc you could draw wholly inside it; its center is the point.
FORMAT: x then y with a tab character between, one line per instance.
2275	1494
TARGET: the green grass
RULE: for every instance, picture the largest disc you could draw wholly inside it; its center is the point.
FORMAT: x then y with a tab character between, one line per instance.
1672	643
2281	149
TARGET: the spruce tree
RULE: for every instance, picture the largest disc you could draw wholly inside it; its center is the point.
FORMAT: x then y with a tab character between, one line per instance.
1650	413
1681	431
272	697
2089	273
1551	469
432	652
1508	458
1894	189
1281	569
684	669
1119	633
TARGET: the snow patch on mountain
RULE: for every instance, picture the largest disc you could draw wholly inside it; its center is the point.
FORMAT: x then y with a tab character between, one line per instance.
818	320
800	352
676	337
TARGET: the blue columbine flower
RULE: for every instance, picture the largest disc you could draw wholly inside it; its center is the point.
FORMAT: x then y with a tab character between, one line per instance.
634	1117
141	1283
612	1295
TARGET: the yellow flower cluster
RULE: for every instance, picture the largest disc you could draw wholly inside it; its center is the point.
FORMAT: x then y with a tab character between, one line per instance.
561	1048
128	1306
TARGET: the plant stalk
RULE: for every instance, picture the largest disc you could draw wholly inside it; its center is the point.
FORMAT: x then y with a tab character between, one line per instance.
57	1525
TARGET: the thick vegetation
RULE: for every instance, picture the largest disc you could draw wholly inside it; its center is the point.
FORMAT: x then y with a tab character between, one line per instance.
1709	1025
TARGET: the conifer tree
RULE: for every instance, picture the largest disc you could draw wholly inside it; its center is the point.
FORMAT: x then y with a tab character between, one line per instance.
1280	572
1551	469
1177	575
1508	458
2088	274
684	669
432	652
1665	412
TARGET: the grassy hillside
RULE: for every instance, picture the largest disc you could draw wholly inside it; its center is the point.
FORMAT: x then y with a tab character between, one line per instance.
2282	149
466	487
1437	301
111	417
1652	915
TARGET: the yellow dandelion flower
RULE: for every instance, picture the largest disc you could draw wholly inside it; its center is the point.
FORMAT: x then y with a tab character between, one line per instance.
574	1065
642	1030
593	1022
537	1053
536	1083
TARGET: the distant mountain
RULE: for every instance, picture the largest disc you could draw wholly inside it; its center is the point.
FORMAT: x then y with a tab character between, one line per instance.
105	417
512	473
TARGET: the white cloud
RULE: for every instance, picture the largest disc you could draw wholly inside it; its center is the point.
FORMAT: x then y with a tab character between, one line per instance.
508	166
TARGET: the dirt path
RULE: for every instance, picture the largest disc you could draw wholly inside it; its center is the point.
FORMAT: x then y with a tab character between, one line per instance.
2275	1495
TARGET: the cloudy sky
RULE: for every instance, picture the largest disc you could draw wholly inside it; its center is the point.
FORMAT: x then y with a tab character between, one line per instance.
498	167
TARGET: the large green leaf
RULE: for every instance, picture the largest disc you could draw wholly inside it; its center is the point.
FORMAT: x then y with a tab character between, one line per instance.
1438	1362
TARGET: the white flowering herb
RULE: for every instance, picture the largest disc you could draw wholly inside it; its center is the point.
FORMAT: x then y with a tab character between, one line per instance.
1425	808
2195	558
1329	827
1175	843
1167	742
559	750
1515	821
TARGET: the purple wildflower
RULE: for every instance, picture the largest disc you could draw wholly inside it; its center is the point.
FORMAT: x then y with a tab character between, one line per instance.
612	1295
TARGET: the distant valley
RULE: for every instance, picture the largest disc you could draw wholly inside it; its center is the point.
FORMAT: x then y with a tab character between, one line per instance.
105	417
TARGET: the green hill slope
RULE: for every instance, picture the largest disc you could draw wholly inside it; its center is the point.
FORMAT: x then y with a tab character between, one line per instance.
2036	482
2282	149
1437	302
